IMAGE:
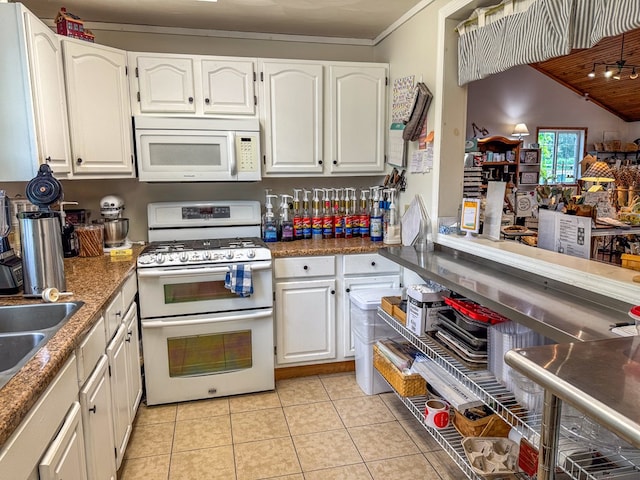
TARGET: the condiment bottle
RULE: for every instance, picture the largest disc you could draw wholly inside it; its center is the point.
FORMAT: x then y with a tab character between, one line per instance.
327	215
338	213
297	215
306	216
349	210
316	219
269	223
375	226
363	222
286	224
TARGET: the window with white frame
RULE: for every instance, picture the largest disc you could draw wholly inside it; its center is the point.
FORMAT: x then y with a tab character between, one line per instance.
561	150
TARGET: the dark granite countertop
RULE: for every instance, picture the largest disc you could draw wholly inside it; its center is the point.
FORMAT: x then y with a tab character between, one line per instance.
93	280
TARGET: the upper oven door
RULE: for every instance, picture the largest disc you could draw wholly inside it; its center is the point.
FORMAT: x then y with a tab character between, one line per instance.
184	290
186	155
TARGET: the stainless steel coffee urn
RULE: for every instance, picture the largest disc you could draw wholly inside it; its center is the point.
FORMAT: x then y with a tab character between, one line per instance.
41	238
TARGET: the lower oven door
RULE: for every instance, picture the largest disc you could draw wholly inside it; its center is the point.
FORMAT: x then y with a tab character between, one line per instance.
205	356
184	290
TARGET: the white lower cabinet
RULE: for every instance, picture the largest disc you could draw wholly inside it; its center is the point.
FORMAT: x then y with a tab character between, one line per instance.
354	284
132	352
97	420
313	316
360	272
116	351
20	456
305	320
65	458
305	304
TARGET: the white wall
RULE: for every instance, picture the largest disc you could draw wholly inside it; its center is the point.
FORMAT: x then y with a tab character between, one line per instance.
410	50
522	94
207	45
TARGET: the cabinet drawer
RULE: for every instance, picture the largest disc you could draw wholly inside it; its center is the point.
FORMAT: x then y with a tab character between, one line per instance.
304	267
23	450
113	315
368	263
129	289
89	351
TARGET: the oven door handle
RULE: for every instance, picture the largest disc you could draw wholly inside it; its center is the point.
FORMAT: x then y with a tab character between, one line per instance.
201	321
171	272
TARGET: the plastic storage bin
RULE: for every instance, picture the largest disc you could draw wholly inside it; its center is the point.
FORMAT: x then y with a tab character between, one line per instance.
367	329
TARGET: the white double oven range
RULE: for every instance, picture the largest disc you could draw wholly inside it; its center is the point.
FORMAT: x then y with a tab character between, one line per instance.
201	339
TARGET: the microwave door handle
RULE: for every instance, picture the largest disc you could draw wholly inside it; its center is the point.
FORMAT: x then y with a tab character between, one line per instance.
233	161
200	321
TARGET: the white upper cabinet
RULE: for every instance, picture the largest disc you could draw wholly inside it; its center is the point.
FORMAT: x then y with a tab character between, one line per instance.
49	99
356	118
228	86
32	97
323	118
166	84
192	84
99	112
292	113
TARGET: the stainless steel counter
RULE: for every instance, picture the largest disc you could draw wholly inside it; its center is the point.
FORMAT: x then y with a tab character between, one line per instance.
554	309
601	379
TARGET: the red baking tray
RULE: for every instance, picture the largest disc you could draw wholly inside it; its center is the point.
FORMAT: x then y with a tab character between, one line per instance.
475	311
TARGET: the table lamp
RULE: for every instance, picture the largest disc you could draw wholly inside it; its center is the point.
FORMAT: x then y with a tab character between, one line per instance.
520	130
598	172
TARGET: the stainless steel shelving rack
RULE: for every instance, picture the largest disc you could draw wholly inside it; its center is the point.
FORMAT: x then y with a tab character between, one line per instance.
576	459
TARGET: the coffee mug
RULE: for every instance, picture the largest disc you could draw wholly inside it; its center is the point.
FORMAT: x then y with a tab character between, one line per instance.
436	413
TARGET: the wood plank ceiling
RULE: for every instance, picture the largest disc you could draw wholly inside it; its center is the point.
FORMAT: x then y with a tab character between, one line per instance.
620	97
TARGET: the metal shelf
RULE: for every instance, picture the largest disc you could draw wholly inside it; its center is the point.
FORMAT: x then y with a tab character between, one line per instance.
575	458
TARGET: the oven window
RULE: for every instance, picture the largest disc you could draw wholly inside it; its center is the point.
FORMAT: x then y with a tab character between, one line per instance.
209	354
196	292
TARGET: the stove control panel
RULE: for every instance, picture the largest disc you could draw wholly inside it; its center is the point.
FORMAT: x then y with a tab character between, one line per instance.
197	257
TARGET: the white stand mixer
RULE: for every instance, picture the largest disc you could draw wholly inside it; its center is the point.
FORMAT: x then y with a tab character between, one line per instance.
116	228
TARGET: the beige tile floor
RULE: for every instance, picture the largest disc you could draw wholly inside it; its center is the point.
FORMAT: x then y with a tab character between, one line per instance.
312	428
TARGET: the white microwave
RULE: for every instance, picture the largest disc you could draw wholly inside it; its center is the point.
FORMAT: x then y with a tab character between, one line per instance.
175	149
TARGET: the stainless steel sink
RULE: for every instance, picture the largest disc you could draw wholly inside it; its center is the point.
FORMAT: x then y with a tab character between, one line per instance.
41	316
24	329
16	347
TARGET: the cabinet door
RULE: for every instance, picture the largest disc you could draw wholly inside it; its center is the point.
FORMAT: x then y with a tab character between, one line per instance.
97	422
99	113
166	84
65	458
132	349
117	353
49	98
351	285
228	86
305	321
292	117
113	315
357	118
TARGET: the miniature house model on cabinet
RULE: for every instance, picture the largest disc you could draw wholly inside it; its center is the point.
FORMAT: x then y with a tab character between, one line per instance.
71	25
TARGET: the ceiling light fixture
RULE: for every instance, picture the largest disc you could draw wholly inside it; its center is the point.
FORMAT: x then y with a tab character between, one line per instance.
618	67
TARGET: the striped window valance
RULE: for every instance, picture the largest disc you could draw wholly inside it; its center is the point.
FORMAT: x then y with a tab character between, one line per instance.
598	19
519	32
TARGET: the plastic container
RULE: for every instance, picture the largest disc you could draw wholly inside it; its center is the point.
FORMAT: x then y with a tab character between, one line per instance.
364	319
367	329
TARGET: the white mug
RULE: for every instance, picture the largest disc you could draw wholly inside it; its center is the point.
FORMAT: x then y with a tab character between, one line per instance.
436	413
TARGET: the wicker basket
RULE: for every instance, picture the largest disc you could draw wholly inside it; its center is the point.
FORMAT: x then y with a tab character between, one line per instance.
630	261
489	426
405	385
598	147
630	147
613	146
